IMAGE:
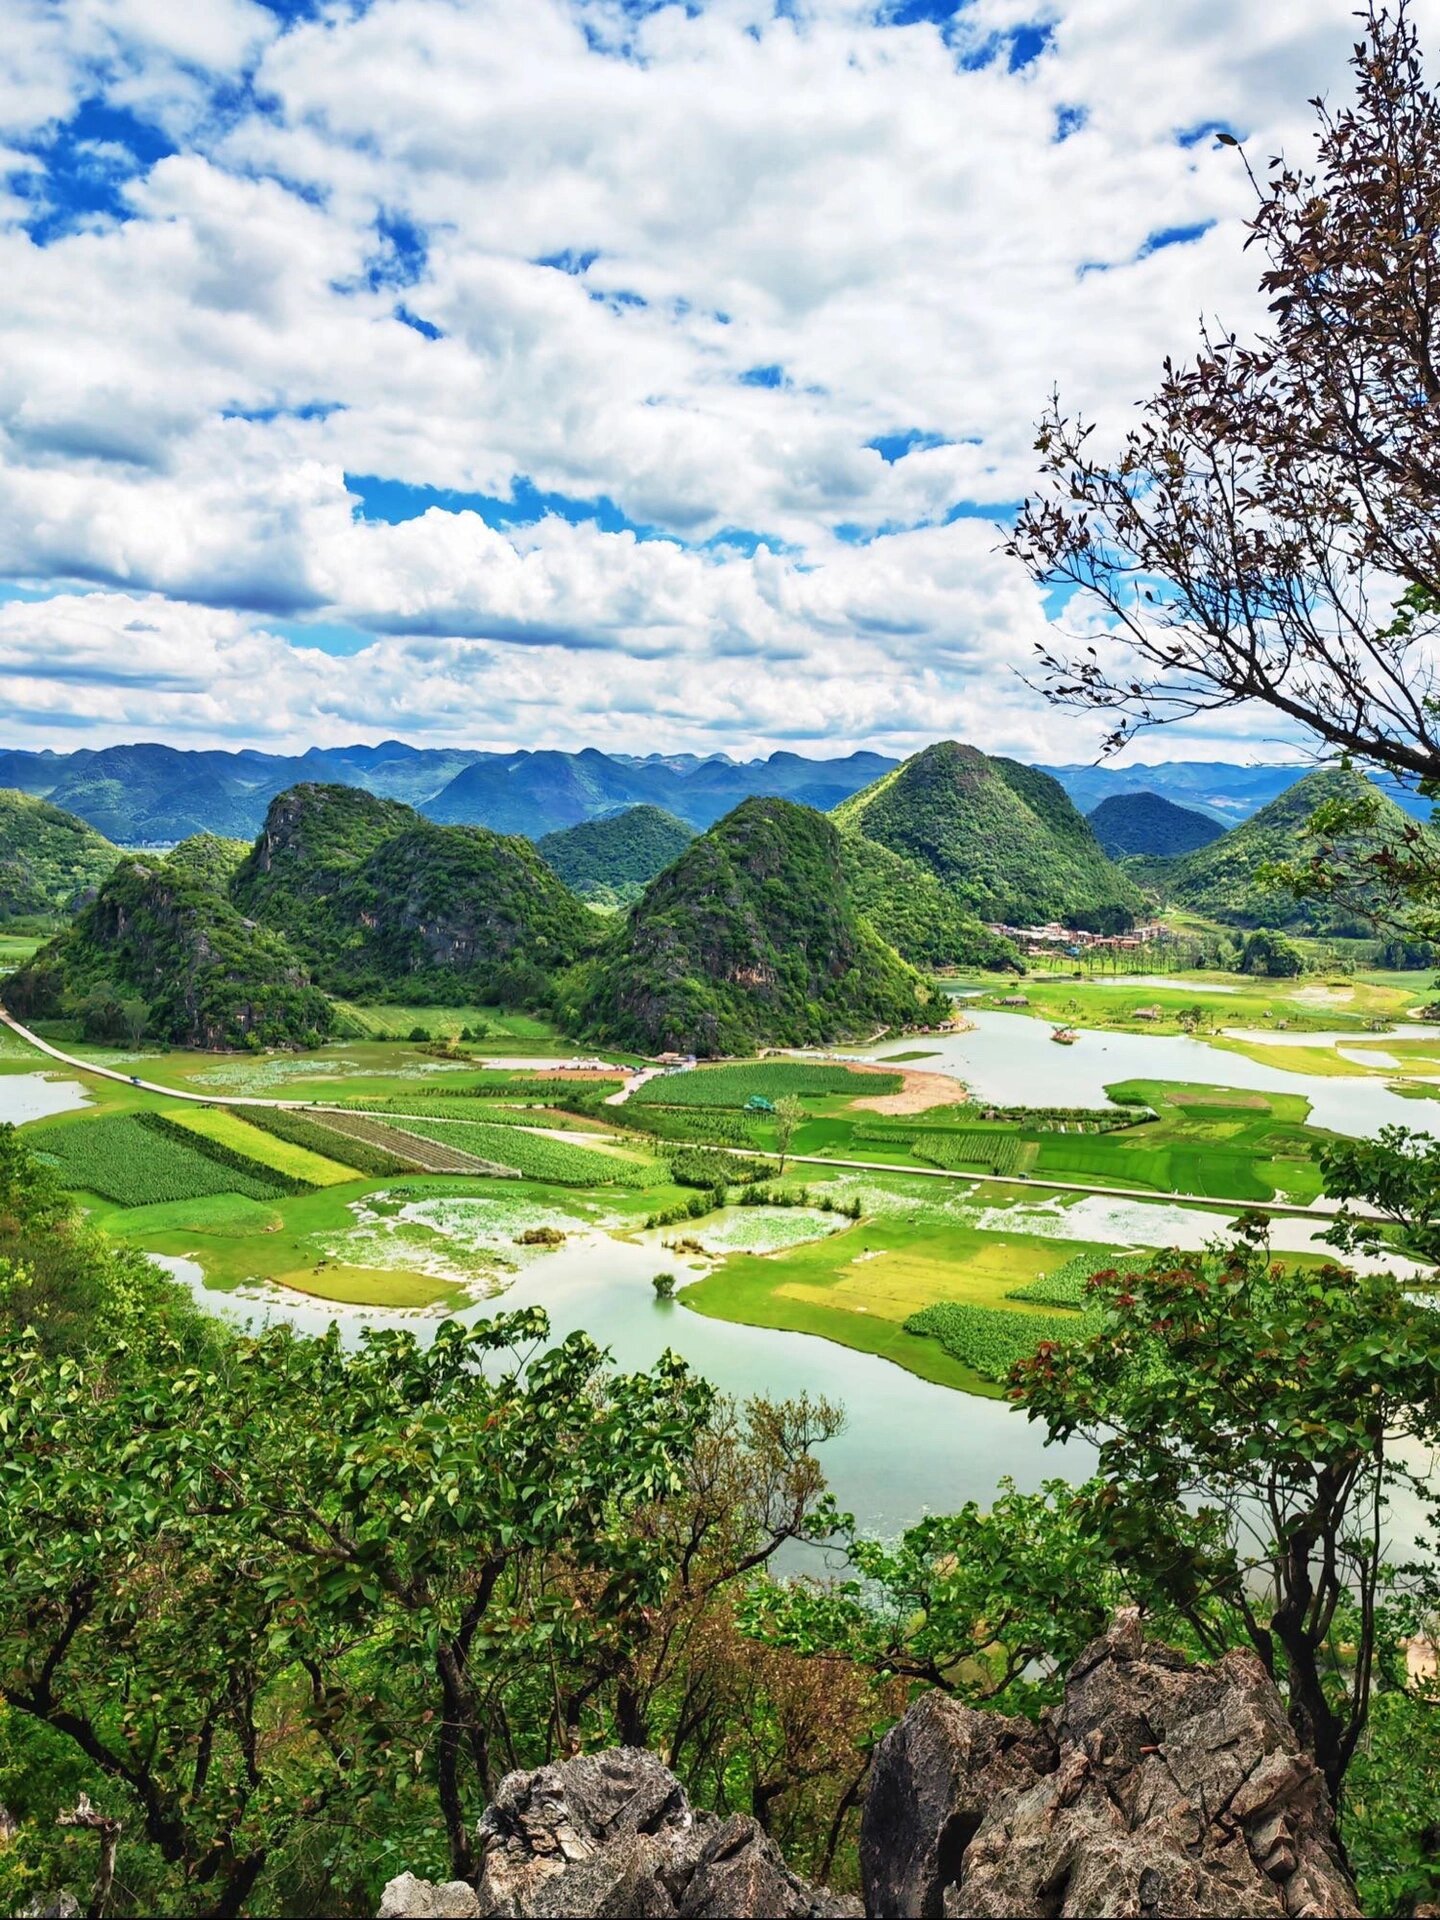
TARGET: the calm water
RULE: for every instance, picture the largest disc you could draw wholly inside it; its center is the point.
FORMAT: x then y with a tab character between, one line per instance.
36	1096
909	1447
1010	1058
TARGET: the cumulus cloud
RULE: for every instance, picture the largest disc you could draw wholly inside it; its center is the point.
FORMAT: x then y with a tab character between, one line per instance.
667	273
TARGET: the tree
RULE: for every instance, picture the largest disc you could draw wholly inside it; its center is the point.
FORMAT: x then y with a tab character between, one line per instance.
664	1285
135	1016
1271	954
1276	1404
1250	537
788	1114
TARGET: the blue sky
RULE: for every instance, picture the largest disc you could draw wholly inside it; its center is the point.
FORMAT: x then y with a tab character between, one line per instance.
593	371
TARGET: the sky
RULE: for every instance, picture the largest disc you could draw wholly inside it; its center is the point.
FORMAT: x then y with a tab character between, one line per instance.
592	372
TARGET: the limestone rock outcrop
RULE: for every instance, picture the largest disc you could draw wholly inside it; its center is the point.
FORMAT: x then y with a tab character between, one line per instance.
1158	1789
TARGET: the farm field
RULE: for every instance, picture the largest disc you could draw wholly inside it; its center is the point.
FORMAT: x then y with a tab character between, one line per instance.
861	1285
120	1158
226	1129
732	1086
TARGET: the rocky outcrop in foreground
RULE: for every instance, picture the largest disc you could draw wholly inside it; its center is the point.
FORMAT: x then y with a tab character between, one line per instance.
1157	1789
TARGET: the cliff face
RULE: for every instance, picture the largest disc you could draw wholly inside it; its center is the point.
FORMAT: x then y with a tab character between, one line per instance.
1158	1789
208	977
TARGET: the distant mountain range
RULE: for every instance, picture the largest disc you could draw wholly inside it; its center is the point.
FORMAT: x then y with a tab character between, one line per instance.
148	794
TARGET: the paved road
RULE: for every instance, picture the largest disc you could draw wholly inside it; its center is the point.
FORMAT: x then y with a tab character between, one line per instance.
1140	1194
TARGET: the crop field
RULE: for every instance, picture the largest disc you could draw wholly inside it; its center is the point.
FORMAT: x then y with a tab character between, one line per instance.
988	1340
413	1150
490	1113
118	1157
377	1021
537	1156
770	1079
997	1152
1067	1286
328	1142
287	1157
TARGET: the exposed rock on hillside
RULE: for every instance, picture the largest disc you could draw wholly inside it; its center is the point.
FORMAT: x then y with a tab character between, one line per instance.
1158	1789
376	898
752	937
613	1834
207	976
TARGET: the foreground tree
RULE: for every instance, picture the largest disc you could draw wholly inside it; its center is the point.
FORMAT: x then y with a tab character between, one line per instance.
1251	538
1277	1405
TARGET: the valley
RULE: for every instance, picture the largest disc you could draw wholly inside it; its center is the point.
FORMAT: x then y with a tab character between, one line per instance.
1016	1163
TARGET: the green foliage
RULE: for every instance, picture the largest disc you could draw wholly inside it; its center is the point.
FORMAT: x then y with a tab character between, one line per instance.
1002	838
989	1340
1241	878
1272	955
195	1551
920	917
1398	1174
302	1131
1246	1388
382	902
210	859
141	1159
1389	1825
772	1079
613	859
208	977
989	1604
1070	1285
664	1285
751	937
997	1152
1150	825
48	859
536	1155
694	1168
56	1275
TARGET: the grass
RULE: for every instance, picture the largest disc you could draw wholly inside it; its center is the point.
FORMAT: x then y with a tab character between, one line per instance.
860	1286
770	1079
370	1287
296	1162
1111	1002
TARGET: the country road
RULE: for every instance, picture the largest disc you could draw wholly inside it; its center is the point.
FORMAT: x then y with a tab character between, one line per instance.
1142	1195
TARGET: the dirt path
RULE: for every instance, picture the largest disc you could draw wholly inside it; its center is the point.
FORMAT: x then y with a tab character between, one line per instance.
919	1092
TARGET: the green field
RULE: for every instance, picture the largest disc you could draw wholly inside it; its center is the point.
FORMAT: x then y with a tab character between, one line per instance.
537	1156
119	1158
769	1079
860	1286
226	1129
1312	1004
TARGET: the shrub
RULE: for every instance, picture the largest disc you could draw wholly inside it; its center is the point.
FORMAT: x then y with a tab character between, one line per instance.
989	1340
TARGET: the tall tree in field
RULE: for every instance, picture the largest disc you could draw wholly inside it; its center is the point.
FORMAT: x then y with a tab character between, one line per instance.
1269	530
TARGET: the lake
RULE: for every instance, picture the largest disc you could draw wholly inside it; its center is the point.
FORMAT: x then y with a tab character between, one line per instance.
38	1096
1010	1059
909	1447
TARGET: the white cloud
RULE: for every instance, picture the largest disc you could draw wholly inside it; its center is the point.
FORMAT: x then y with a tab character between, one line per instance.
846	202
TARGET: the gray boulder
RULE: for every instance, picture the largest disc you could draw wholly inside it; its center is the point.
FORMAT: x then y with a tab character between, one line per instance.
407	1898
612	1834
1157	1788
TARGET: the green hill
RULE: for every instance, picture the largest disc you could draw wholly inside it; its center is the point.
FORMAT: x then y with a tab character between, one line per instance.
1001	837
750	938
48	859
209	859
920	917
207	977
1151	825
612	860
1225	881
382	902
